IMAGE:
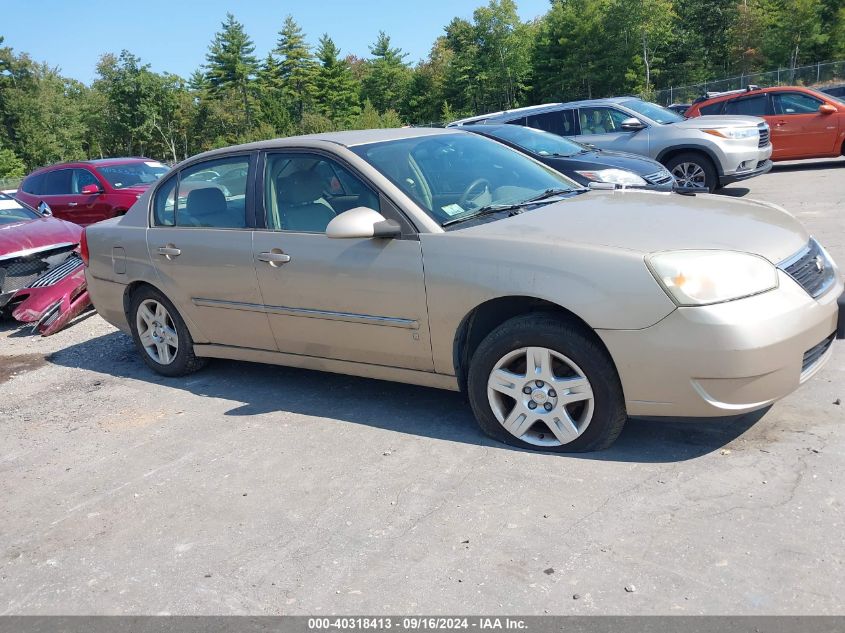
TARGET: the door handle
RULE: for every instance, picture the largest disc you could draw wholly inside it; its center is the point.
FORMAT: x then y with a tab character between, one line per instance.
275	257
72	204
169	251
779	123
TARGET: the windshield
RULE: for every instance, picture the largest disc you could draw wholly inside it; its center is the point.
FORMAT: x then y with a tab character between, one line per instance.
536	141
653	111
133	174
459	175
12	211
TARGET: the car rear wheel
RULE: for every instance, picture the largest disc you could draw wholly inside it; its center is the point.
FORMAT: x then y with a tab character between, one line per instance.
694	171
544	383
160	334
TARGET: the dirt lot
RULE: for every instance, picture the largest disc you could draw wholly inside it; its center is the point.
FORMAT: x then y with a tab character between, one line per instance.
266	490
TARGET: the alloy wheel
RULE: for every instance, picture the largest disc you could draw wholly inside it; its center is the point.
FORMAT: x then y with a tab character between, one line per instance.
690	175
157	331
540	396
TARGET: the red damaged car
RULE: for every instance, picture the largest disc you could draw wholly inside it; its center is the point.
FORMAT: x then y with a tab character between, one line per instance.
42	277
88	191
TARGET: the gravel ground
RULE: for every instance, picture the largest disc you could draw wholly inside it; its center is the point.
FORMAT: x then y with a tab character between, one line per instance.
266	490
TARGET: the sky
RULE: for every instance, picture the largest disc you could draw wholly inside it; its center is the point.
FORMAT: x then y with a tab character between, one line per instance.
173	35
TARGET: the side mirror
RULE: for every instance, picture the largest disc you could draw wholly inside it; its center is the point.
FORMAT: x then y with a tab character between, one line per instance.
632	125
361	222
826	108
44	209
90	190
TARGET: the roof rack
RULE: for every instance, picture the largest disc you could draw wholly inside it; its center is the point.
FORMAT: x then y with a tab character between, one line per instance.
713	94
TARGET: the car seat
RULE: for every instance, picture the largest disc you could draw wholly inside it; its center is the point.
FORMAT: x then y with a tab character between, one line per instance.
207	207
301	204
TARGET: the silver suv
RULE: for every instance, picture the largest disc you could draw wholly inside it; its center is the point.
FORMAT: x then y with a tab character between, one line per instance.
705	152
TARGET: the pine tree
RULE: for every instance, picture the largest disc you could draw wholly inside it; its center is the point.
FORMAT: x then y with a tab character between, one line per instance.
230	63
298	69
387	77
336	88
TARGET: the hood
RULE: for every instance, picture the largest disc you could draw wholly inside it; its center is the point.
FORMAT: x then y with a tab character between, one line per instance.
602	159
134	190
714	121
38	233
649	222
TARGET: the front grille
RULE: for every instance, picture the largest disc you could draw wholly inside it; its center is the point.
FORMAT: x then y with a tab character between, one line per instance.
814	354
58	273
658	178
764	134
20	272
811	269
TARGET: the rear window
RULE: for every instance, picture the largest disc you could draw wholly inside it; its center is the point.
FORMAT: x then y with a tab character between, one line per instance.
32	184
712	108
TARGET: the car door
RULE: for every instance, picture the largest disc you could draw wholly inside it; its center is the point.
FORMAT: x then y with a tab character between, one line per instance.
799	130
91	207
57	192
200	241
360	300
601	126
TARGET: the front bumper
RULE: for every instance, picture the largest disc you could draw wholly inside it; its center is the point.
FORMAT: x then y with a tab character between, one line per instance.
763	167
726	359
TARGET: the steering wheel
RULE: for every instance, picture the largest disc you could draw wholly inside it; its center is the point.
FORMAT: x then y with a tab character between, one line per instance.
475	184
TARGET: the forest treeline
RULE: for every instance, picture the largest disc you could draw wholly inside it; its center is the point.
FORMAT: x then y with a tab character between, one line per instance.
577	49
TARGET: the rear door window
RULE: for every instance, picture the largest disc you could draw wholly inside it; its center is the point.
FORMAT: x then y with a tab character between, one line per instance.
560	122
58	183
712	108
33	184
748	106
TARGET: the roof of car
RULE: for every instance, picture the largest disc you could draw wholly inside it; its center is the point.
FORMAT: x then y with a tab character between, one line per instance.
734	94
97	162
349	138
507	115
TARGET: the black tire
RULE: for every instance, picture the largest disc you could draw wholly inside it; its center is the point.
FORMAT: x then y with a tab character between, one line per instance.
185	361
711	177
569	339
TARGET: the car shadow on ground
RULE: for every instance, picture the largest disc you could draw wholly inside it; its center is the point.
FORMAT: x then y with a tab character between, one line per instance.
809	165
444	415
733	192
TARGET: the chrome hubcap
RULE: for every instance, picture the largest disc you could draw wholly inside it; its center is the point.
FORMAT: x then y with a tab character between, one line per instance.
540	396
157	332
690	175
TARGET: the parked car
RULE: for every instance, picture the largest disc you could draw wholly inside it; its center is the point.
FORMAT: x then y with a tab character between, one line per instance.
834	91
443	258
42	280
581	163
90	191
805	123
680	108
701	153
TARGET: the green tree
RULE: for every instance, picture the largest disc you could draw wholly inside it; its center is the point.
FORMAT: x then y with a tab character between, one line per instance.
336	88
297	70
231	64
387	75
11	166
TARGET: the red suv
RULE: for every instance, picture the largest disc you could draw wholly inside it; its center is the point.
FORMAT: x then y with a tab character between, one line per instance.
804	123
89	191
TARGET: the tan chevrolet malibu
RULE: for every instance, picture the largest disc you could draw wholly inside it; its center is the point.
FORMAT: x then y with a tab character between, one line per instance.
443	258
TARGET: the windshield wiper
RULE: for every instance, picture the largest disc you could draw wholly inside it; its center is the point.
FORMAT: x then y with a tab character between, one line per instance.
490	209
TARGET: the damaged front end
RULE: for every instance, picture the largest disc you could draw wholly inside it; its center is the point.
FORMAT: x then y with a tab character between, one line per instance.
45	287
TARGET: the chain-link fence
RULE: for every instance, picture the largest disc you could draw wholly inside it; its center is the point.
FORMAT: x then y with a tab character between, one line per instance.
9	183
816	75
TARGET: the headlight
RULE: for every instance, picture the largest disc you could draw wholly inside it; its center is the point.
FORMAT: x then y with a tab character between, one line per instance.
734	132
694	278
615	176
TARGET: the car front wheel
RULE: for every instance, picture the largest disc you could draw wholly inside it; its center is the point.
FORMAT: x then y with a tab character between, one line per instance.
161	335
544	383
693	171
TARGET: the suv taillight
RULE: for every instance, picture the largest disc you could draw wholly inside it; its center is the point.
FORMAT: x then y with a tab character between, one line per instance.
83	247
